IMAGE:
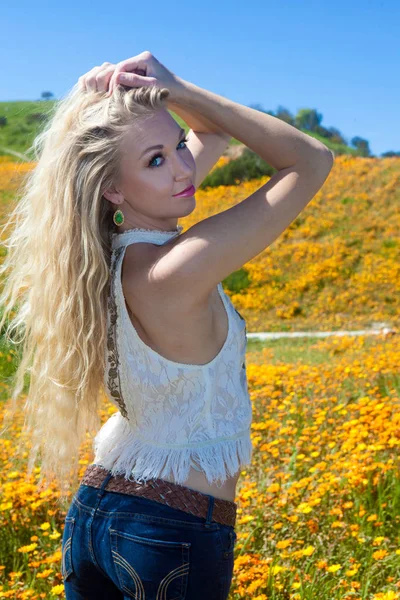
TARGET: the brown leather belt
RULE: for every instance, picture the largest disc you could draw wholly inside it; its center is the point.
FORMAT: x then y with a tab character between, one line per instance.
165	492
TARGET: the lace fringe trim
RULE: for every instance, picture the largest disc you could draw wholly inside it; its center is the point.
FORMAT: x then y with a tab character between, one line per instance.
118	448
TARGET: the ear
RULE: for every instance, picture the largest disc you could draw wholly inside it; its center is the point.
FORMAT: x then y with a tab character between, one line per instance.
113	196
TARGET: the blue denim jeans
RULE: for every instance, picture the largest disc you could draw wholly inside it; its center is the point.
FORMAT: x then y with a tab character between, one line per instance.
117	546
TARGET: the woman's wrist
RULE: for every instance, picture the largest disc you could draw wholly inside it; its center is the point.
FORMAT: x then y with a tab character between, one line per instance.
193	118
178	91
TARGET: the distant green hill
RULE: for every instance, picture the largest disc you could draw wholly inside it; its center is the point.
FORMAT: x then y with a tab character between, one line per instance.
21	121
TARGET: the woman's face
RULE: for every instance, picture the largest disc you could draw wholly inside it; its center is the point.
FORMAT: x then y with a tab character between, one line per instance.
150	177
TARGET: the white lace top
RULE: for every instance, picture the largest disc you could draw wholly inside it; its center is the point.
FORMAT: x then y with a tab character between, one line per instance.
171	415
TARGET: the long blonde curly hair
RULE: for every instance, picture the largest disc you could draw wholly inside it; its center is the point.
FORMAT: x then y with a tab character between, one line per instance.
59	254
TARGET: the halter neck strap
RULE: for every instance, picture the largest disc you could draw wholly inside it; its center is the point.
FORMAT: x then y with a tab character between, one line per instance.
155	236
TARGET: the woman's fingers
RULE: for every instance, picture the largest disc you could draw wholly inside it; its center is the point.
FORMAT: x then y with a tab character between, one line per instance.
133	80
89	81
114	79
130	79
103	78
97	79
136	64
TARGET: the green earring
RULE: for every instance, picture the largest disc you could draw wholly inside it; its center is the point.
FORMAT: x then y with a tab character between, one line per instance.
118	217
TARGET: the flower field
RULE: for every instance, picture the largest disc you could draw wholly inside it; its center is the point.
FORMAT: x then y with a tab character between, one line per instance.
319	507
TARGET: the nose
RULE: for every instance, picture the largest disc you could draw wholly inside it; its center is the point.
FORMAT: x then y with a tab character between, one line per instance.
185	179
184	168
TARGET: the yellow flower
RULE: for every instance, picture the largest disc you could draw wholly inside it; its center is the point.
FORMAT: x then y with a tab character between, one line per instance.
390	595
304	508
245	519
28	548
379	554
296	585
378	540
283	543
276	569
44	573
334	568
274	487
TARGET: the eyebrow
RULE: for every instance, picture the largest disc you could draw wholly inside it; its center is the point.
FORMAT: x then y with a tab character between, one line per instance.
160	146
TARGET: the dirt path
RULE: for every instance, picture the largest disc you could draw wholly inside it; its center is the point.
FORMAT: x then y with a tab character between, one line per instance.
380	328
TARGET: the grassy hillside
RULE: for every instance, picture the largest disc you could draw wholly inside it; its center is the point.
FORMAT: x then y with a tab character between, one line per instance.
24	119
336	267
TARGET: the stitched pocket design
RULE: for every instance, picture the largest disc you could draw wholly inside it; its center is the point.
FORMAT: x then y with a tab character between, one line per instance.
230	542
150	568
66	555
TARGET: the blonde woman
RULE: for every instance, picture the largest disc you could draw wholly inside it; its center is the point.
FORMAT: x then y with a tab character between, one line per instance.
119	299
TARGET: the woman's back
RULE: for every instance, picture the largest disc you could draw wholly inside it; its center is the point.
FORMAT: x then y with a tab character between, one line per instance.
179	330
176	327
183	419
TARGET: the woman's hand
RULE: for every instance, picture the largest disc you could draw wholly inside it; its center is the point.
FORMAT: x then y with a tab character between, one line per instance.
98	78
145	70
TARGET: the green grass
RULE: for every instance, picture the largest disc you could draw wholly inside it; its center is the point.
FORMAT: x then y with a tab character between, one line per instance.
294	350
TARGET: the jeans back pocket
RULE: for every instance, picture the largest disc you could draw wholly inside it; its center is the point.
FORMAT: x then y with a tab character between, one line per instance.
66	553
150	568
228	538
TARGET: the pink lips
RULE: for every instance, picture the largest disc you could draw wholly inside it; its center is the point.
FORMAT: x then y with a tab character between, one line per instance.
188	192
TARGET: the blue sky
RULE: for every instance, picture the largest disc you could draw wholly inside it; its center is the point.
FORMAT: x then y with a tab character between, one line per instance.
340	58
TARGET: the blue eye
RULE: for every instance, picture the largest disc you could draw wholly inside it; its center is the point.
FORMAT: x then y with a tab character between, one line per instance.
159	155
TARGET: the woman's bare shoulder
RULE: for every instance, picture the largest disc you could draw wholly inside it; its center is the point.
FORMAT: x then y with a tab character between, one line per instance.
145	281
